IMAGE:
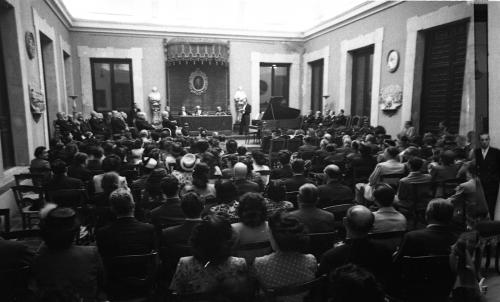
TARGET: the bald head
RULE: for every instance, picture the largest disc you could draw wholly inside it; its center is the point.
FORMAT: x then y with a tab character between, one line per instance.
358	221
240	171
332	172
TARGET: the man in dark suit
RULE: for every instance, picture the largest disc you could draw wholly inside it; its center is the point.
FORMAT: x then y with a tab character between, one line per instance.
306	151
167	121
141	123
293	183
436	239
183	112
117	123
61	181
245	117
125	236
96	123
315	220
286	169
242	184
358	248
170	212
488	170
333	192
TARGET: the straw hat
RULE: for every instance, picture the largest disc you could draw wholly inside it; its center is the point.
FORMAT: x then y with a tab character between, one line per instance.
187	162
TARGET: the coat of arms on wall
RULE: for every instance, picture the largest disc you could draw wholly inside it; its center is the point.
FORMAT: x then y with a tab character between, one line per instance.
198	82
391	98
29	40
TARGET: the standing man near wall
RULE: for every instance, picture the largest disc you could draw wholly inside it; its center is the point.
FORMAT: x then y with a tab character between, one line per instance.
488	170
245	117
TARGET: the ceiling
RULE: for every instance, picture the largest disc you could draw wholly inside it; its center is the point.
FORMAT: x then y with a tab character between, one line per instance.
242	17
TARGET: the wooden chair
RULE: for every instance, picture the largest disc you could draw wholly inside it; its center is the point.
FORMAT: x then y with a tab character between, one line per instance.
339	210
277	145
5	213
392	179
422	193
319	243
30	179
132	276
314	288
29	200
426	278
447	187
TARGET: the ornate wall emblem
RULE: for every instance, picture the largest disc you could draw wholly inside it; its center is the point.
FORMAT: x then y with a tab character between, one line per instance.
37	103
391	98
198	82
29	40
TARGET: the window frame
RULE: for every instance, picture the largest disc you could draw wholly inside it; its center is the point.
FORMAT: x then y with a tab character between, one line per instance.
287	81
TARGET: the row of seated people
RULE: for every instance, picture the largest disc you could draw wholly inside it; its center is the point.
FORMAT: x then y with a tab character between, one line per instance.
209	256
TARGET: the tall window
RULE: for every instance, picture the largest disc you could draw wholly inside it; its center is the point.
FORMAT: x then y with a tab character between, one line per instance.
112	84
274	82
362	71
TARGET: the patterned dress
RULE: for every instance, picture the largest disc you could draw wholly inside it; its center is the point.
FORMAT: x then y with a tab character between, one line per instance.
285	268
193	277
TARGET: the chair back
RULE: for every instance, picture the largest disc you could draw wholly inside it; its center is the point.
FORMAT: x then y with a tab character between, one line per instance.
72	198
314	288
321	242
446	188
427	278
5	213
132	276
28	196
422	193
31	179
339	210
392	179
277	144
292	197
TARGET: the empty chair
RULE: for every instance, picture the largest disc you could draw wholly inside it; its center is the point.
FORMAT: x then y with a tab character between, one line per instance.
29	200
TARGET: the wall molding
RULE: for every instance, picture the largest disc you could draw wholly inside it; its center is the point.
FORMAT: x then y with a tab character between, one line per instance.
375	38
323	53
66	48
85	53
41	25
294	85
414	42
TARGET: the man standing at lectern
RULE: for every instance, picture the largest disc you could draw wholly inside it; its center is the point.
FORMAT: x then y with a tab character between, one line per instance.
245	117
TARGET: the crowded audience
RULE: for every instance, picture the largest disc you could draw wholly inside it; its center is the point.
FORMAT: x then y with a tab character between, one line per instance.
200	201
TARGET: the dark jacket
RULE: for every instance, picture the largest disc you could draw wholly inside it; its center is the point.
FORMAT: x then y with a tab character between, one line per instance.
433	240
315	220
169	213
284	172
334	193
244	186
143	124
118	125
79	172
96	125
488	169
125	236
63	182
293	183
178	234
14	255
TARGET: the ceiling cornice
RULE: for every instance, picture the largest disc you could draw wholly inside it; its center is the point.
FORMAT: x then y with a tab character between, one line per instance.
116	28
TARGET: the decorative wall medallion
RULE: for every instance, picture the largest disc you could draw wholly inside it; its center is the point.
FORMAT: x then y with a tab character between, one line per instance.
391	98
392	60
37	103
30	44
198	82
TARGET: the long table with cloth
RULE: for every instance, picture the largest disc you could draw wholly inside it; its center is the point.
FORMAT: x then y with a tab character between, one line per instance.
209	122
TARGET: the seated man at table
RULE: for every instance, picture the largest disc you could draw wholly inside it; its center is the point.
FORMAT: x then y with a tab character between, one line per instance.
198	111
167	121
219	111
183	111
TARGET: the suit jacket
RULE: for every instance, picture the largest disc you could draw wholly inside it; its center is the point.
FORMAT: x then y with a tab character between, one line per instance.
315	220
187	113
405	183
433	240
14	255
77	267
293	183
168	213
79	172
178	234
243	186
333	193
125	236
284	172
63	182
488	169
118	125
96	125
248	109
143	124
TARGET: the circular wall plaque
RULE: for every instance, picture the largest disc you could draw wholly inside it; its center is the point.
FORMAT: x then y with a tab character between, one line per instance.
198	82
392	60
